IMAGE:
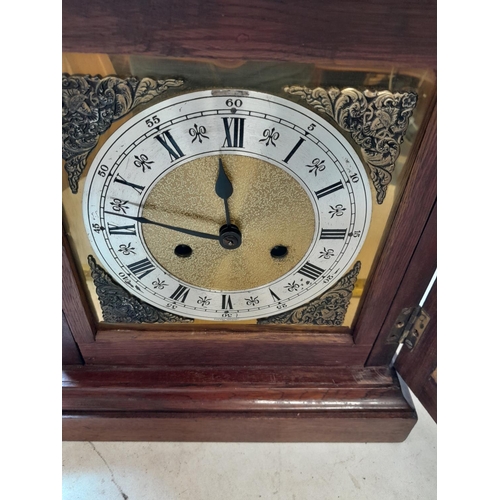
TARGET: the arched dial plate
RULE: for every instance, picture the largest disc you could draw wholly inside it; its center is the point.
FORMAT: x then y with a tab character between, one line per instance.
300	198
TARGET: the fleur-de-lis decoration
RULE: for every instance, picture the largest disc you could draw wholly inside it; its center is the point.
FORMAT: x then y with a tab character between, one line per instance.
317	166
326	253
142	161
119	205
270	136
203	301
126	249
159	284
292	287
338	211
197	133
252	301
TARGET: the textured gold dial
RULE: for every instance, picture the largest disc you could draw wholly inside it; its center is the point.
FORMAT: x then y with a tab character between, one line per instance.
268	205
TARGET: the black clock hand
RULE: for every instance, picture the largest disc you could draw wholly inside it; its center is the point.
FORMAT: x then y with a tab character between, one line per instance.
143	220
224	189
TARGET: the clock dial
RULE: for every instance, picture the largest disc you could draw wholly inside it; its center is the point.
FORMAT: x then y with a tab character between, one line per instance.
226	205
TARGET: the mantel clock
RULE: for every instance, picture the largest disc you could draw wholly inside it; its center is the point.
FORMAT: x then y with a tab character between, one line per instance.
239	221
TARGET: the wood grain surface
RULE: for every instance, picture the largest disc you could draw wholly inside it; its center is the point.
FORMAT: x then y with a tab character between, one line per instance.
234	404
414	284
74	303
413	212
382	33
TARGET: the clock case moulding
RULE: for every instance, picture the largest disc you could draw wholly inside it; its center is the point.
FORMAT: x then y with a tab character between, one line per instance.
245	383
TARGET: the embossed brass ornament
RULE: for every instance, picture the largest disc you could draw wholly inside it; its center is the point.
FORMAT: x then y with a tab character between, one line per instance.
119	306
328	309
91	104
377	121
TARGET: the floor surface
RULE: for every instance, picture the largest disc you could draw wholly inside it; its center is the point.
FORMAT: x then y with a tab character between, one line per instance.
241	471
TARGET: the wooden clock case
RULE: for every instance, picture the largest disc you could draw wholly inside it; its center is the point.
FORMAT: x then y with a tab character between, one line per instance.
248	383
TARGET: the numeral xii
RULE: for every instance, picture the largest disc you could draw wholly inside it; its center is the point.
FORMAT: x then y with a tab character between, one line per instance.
234	129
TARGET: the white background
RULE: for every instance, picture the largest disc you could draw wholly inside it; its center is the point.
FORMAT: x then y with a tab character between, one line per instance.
468	264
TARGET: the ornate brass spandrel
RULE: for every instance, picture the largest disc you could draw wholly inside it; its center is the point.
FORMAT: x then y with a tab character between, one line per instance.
91	104
377	122
328	309
119	306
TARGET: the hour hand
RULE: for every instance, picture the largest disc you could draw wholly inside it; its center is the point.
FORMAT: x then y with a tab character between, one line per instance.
224	189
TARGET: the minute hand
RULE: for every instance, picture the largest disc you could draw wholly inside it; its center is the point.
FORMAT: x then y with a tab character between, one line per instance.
143	220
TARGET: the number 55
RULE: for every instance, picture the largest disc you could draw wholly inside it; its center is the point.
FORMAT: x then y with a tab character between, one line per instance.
152	121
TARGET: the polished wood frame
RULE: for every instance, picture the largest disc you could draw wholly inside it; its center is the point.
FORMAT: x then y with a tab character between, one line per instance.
255	366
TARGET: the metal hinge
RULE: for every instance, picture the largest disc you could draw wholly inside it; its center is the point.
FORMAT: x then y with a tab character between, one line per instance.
409	327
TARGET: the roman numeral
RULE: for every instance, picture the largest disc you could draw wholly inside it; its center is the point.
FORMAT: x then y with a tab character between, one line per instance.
121	180
234	128
311	271
332	234
329	189
180	294
226	302
141	268
292	152
274	296
126	230
167	141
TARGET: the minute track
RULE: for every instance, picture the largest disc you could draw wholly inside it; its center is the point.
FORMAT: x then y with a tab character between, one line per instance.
124	242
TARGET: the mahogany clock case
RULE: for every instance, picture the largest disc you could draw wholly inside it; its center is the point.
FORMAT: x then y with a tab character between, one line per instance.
252	381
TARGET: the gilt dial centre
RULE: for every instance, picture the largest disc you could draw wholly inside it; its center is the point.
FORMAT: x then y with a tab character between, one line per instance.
268	206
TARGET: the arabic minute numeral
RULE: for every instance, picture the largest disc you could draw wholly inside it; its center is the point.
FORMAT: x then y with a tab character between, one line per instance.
102	170
236	103
154	120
